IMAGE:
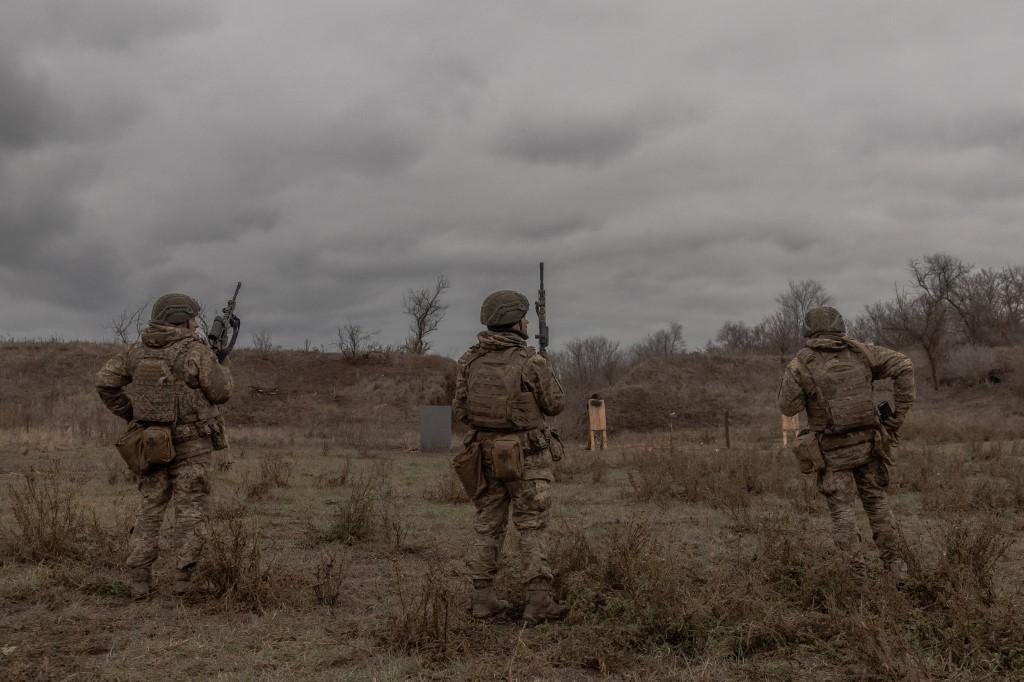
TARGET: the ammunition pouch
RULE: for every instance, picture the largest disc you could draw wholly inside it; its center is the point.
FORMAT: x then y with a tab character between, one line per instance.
807	450
143	447
469	467
507	458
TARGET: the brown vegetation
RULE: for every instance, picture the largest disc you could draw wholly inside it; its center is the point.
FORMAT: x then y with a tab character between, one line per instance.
679	558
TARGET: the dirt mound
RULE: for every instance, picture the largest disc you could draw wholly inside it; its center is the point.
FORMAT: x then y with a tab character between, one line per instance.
693	390
52	384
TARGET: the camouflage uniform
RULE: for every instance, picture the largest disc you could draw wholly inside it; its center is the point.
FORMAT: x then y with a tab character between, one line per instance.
200	384
529	499
855	463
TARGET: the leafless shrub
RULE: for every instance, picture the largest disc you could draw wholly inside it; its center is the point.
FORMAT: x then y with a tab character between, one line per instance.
48	515
660	345
425	311
335	479
235	566
353	339
274	471
329	577
973	549
354	519
392	521
263	342
421	621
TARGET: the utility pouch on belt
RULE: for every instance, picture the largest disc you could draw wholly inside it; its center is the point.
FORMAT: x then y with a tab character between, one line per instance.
144	446
469	467
507	459
808	452
555	445
218	435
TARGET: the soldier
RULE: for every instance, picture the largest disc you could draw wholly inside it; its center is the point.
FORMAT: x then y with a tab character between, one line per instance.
831	377
503	391
170	367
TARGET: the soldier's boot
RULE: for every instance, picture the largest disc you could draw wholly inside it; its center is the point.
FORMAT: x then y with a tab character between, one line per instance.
182	582
140	582
485	603
540	606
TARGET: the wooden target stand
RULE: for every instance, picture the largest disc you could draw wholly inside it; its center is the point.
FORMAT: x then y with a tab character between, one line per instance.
598	423
790	429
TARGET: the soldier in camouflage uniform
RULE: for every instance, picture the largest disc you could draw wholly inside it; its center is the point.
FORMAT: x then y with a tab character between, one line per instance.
831	377
197	384
504	389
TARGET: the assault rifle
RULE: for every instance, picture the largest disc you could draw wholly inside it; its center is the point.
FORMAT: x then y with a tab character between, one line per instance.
218	334
542	314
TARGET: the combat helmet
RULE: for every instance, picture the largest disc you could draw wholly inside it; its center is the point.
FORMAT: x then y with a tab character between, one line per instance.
174	309
823	320
503	309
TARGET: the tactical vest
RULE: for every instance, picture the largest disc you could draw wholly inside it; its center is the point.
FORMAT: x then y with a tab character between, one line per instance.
496	399
158	389
843	407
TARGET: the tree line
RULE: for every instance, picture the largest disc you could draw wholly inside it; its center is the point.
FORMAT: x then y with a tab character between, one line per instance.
943	304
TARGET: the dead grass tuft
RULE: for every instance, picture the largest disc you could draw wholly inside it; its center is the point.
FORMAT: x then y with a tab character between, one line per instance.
447	489
329	576
235	566
421	620
274	471
48	515
335	479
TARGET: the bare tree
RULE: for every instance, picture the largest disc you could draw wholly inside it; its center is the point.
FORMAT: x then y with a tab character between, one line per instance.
944	279
914	320
775	334
263	341
737	337
426	311
793	305
663	343
128	324
590	363
352	340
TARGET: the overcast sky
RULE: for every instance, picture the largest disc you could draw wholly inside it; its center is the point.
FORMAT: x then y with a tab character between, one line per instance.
669	160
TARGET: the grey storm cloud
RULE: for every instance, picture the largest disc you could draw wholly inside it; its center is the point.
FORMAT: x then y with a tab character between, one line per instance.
568	141
669	161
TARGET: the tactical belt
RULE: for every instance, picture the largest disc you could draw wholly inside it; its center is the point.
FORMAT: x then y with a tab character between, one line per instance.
184	433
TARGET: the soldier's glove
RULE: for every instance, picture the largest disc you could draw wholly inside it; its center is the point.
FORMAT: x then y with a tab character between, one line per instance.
892	425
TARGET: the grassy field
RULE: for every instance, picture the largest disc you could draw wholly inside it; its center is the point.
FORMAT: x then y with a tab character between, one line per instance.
336	552
680	561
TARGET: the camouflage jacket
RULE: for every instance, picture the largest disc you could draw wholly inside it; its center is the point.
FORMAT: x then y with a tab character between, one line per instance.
197	367
797	390
538	377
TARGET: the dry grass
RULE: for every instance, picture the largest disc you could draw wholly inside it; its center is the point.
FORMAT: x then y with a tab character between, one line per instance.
422	617
236	565
680	559
447	489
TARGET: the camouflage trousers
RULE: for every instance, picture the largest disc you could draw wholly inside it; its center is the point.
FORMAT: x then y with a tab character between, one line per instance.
841	490
187	483
527	503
